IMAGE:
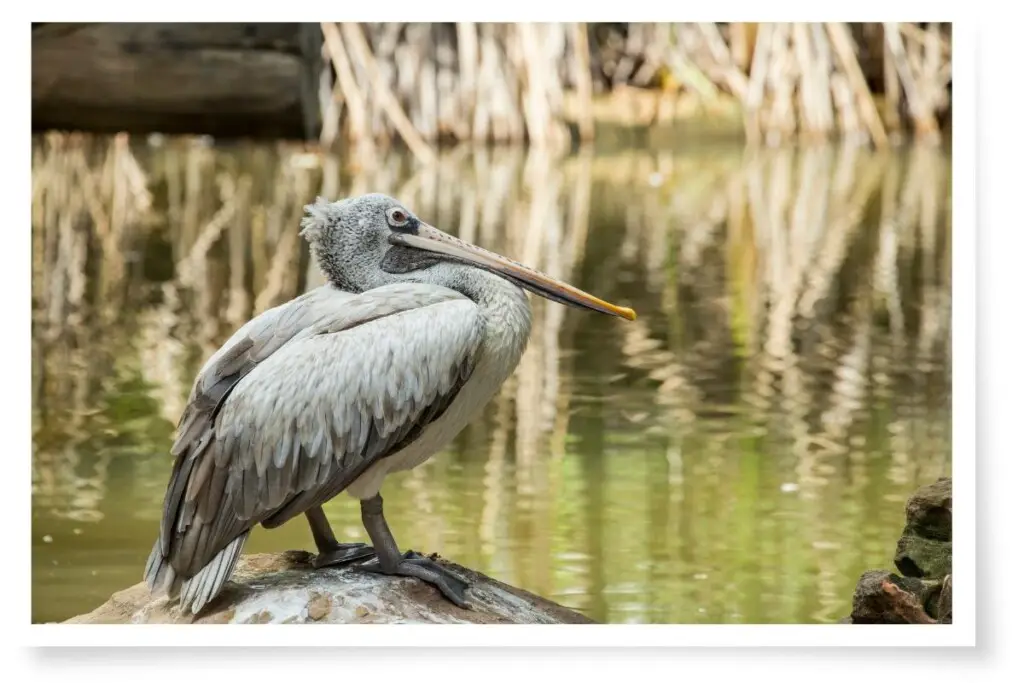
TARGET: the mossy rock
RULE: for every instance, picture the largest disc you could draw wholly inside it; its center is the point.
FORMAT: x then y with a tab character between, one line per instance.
926	548
930	511
923	558
885	598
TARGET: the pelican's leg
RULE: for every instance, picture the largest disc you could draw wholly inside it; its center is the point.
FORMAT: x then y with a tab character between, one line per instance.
391	561
330	552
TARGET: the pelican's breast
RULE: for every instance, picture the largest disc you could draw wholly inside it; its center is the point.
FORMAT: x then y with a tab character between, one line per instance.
506	328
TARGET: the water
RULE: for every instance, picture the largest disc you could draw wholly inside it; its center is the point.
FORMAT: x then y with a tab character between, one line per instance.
739	454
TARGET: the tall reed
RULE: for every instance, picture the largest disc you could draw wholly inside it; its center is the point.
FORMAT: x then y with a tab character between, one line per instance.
544	83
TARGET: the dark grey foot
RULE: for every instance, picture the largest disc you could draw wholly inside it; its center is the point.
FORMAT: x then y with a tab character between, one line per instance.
343	553
415	565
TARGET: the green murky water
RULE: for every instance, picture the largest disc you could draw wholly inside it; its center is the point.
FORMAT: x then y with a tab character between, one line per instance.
740	453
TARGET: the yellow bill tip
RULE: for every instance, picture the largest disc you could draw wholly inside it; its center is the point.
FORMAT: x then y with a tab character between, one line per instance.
626	312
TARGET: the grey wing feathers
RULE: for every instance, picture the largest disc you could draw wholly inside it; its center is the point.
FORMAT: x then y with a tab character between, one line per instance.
295	406
252	343
383	436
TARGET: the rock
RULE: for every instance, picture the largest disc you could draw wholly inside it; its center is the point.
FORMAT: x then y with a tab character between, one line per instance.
284	588
923	557
926	548
885	598
924	553
944	605
319	606
930	511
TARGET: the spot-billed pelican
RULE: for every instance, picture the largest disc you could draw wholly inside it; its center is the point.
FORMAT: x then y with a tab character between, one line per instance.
371	373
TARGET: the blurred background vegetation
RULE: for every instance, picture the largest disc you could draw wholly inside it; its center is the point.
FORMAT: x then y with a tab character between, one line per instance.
549	84
773	200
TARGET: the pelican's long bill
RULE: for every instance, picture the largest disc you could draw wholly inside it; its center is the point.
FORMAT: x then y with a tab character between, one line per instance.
429	238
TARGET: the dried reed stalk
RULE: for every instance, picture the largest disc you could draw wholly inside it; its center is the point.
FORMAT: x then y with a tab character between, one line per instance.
383	95
357	124
843	44
507	83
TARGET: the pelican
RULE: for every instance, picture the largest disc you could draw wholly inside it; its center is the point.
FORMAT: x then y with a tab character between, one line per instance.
368	374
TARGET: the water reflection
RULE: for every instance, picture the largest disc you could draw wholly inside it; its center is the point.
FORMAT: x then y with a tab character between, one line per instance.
740	453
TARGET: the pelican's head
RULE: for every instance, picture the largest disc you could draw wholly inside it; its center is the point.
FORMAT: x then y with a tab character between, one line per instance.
364	242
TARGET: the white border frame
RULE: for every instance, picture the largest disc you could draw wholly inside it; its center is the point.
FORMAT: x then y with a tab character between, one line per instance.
960	633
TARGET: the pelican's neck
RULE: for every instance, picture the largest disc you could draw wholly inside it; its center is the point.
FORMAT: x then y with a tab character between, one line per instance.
504	306
487	289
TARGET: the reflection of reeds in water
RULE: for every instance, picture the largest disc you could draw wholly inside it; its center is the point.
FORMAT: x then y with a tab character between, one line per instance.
796	236
82	198
86	202
791	288
805	304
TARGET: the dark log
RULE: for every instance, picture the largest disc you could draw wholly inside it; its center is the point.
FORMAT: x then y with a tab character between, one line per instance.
226	80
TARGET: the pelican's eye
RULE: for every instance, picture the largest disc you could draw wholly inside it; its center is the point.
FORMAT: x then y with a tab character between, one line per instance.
397	218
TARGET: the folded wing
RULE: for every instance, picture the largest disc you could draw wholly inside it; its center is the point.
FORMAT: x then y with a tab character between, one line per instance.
301	401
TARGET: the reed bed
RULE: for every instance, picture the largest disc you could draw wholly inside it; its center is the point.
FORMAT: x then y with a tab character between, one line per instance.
783	294
548	83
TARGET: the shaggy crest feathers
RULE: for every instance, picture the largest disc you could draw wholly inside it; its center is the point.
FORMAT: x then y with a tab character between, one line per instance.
318	215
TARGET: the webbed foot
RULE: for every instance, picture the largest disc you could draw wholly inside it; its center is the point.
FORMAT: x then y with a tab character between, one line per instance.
342	553
416	565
